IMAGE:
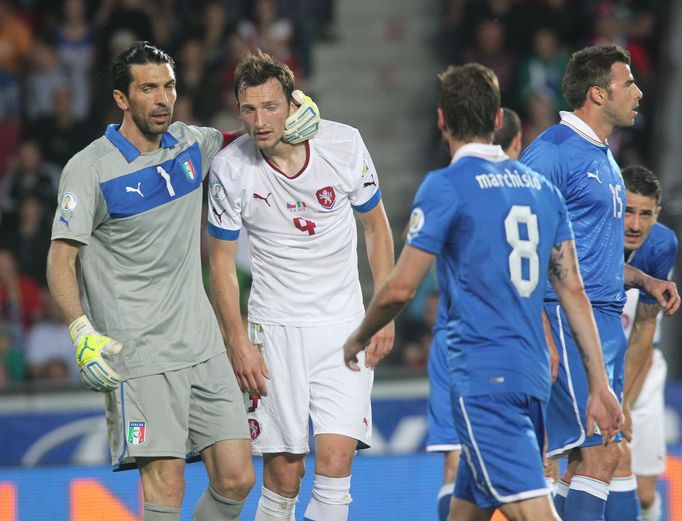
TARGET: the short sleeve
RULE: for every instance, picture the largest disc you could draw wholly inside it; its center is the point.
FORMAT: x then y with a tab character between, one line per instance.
663	262
433	213
77	202
210	142
544	157
224	200
365	193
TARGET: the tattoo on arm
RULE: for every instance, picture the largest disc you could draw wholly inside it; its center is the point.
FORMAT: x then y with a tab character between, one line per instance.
562	262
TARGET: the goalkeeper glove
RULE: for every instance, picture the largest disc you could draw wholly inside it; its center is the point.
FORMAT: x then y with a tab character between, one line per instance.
304	123
91	350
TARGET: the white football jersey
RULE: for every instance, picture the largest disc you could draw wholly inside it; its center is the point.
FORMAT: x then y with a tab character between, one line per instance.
302	229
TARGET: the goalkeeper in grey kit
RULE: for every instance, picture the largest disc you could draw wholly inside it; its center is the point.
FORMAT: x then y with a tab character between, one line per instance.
129	211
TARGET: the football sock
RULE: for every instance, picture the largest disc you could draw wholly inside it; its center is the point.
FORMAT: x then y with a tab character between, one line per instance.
160	513
560	493
623	504
653	513
444	498
214	507
330	499
273	507
586	499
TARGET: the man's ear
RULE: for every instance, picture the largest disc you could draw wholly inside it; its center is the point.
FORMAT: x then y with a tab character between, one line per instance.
442	124
498	118
121	100
597	95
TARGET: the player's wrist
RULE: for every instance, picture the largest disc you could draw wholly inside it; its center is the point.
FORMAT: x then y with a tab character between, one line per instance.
80	327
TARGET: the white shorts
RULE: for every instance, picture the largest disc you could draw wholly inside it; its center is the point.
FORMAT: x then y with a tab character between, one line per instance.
648	425
308	379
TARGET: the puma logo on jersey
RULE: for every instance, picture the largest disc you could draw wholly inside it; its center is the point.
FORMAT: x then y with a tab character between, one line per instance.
261	198
136	190
370	183
62	219
594	176
219	216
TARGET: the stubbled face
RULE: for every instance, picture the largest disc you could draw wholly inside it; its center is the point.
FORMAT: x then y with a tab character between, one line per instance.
264	110
151	97
623	98
641	213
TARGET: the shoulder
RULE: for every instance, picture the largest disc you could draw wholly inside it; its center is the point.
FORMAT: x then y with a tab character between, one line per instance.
663	238
335	135
240	153
95	153
192	133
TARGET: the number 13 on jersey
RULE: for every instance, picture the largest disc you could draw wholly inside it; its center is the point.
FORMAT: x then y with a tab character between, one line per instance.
523	248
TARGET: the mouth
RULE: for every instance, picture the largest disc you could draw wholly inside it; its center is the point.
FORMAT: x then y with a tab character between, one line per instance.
262	135
633	237
160	117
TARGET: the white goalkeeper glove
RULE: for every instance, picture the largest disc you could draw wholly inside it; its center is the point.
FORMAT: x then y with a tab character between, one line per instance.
304	123
91	349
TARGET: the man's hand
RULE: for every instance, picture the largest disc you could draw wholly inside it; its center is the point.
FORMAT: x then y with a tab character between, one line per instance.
380	345
304	123
350	352
91	350
250	369
603	410
665	293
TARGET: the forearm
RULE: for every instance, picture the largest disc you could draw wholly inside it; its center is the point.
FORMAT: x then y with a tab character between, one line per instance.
225	288
639	351
635	376
634	278
388	301
63	282
379	243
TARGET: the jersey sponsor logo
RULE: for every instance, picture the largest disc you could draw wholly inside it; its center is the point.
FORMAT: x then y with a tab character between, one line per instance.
416	223
369	183
326	197
261	198
136	433
594	176
64	220
254	429
69	202
218	192
188	168
137	190
296	206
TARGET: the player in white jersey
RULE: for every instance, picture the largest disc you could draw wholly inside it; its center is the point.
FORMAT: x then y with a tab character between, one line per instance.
651	247
297	204
129	218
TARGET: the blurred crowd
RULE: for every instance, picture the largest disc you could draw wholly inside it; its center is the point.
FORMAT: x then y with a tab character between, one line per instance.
527	43
55	98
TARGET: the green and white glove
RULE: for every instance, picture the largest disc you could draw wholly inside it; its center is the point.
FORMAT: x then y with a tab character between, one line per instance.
304	123
91	350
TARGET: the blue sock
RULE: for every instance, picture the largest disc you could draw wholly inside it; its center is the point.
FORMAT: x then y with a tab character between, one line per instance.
623	504
586	499
444	497
560	493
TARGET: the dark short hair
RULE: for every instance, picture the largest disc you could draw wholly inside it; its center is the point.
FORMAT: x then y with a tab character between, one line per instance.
642	181
591	67
469	97
257	68
140	53
511	126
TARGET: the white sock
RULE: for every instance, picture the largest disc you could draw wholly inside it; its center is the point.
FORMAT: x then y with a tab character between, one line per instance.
330	499
653	513
561	488
273	507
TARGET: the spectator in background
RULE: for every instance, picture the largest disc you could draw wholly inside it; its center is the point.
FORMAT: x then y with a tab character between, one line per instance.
489	50
12	361
121	15
10	116
60	135
508	136
27	235
21	303
216	26
29	175
539	116
541	73
49	350
15	39
45	76
76	44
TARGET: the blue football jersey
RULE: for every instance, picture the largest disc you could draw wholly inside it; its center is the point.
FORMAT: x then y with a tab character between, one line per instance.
586	174
656	256
492	223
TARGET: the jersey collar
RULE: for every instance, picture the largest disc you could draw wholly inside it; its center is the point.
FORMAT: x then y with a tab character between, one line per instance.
580	127
487	152
130	151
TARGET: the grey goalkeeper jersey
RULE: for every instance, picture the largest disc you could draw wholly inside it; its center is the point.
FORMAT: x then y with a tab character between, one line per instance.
138	217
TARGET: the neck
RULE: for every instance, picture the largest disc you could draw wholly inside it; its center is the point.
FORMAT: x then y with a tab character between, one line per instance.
286	157
595	121
143	142
454	144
